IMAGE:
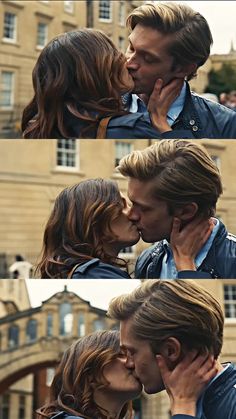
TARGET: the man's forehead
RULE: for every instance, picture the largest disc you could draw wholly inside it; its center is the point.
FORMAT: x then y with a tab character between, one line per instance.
139	191
147	37
127	338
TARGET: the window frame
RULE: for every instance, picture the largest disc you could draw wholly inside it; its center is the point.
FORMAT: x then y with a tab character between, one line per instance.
12	91
71	8
103	19
76	151
39	46
14	39
229	302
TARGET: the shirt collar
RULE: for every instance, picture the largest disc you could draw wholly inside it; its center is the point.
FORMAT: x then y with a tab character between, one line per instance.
135	104
177	105
204	250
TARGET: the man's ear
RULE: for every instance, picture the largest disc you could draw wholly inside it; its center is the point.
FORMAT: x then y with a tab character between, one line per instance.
183	71
171	350
186	212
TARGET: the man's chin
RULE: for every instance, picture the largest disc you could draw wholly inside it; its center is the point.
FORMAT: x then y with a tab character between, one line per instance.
153	390
147	239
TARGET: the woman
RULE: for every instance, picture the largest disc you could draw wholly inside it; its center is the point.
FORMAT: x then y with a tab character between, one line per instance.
89	226
78	80
92	381
86	230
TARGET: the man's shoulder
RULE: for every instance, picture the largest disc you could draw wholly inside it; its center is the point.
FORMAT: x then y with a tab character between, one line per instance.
225	238
222	254
213	106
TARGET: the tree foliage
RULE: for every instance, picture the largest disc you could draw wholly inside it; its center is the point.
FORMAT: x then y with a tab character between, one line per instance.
223	80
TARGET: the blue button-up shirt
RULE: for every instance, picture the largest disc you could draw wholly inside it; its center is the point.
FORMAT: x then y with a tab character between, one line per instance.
137	105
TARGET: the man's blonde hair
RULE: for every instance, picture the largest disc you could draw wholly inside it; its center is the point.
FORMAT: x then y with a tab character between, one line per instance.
183	172
192	37
160	309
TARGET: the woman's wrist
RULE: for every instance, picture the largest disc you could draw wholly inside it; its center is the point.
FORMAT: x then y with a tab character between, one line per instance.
161	124
183	407
184	263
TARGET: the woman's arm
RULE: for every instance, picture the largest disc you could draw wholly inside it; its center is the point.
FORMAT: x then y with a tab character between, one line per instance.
160	101
185	383
186	242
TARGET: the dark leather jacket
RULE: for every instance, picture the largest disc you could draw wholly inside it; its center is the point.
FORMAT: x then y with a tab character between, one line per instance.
95	269
220	261
200	118
64	415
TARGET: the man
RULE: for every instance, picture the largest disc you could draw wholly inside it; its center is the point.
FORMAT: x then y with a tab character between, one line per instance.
170	41
167	320
176	178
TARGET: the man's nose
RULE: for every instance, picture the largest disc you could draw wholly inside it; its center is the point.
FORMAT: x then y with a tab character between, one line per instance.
133	214
129	363
131	61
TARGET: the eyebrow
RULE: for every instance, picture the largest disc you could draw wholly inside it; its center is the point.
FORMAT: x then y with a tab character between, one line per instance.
144	51
129	347
140	204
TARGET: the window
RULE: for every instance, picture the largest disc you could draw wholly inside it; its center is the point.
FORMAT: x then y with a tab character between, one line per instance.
99	325
66	153
66	319
49	324
122	149
13	337
5	406
81	325
21	414
7	89
105	10
9	27
69	6
50	372
122	13
42	34
121	43
31	330
230	301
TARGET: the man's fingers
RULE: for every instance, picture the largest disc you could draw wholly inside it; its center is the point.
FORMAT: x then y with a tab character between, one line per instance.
162	365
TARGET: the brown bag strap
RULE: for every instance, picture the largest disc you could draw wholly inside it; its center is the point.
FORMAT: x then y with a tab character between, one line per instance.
102	127
70	274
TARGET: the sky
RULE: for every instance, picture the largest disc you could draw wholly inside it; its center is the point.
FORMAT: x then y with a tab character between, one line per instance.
98	292
221	17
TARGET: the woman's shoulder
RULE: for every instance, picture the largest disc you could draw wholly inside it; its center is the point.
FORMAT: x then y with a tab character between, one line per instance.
132	125
96	269
64	415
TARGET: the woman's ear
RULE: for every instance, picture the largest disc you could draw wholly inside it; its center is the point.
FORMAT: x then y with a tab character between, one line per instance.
186	212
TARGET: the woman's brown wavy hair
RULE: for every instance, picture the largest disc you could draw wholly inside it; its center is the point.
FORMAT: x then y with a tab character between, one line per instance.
79	227
78	73
80	373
